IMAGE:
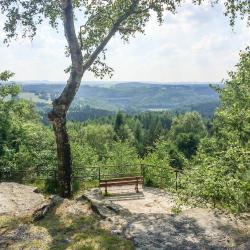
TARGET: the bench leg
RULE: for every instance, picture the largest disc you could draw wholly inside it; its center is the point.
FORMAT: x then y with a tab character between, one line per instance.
106	190
136	187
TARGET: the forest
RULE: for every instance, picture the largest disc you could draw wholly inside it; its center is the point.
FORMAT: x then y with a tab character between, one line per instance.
212	155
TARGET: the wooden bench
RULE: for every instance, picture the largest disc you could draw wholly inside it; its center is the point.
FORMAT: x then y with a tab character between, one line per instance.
132	180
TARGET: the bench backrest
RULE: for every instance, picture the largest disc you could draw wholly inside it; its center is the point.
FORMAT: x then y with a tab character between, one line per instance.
129	178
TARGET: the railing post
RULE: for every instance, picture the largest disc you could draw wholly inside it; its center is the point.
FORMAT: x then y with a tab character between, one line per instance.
136	185
55	177
106	187
142	173
37	171
10	173
99	173
176	180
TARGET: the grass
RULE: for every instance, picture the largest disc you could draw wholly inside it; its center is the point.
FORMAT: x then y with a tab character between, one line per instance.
176	210
49	186
70	225
79	186
107	194
8	222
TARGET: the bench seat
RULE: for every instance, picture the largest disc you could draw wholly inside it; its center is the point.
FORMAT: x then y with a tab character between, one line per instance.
130	180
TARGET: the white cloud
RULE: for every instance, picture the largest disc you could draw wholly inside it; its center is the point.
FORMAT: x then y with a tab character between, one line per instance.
196	44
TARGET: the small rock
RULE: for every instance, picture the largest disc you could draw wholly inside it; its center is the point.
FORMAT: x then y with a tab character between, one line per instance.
116	231
65	241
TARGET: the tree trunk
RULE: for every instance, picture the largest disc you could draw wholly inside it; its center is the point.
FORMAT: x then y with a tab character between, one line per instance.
61	105
63	155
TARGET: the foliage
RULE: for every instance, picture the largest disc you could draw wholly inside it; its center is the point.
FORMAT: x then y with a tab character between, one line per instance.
100	15
162	162
6	75
94	140
187	143
221	169
21	146
221	178
83	155
122	153
190	122
235	104
121	129
186	131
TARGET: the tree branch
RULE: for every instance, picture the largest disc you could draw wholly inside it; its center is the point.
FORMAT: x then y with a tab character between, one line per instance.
70	34
62	103
111	32
80	36
126	30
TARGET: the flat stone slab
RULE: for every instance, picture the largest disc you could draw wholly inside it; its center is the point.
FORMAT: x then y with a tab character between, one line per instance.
151	224
19	200
148	201
196	228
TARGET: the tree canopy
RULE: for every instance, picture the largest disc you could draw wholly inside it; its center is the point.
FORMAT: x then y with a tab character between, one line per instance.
221	171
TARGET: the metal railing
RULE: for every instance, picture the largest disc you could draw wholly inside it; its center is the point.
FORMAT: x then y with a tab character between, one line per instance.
151	173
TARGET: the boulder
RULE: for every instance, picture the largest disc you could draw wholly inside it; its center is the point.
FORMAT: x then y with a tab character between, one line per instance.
22	200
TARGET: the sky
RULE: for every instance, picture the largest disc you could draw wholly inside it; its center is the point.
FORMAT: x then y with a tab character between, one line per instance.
196	44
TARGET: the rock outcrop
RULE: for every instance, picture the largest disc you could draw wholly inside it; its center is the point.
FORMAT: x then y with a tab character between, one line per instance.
24	201
159	228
